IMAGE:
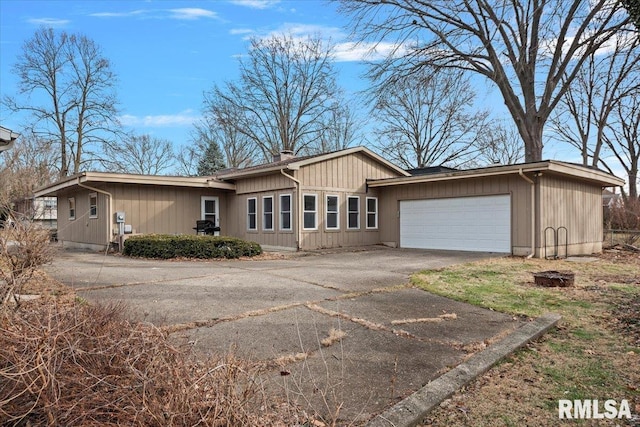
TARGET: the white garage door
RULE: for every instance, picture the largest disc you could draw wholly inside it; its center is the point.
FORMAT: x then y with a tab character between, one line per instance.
480	224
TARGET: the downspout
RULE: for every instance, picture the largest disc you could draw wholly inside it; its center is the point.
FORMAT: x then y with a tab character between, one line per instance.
533	212
298	206
109	198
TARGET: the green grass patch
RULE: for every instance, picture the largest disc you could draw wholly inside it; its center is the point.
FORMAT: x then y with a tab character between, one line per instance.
589	356
496	291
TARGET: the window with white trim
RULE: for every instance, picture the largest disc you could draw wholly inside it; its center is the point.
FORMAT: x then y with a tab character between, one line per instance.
93	205
267	213
72	208
252	214
372	212
332	213
353	212
285	212
310	211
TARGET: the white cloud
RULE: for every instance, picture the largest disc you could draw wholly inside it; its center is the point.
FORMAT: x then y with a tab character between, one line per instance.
304	30
184	118
185	13
350	52
49	22
118	14
191	13
256	4
241	31
343	50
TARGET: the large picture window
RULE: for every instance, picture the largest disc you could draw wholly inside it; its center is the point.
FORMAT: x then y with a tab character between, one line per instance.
332	218
310	212
267	213
285	212
252	214
372	212
353	212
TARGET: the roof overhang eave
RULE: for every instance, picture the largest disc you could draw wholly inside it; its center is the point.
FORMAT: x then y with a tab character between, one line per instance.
582	173
99	177
258	172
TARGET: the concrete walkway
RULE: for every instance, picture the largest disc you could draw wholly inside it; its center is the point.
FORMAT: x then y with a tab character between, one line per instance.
397	338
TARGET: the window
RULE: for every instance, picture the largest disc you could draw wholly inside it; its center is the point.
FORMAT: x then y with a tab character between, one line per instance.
267	213
372	212
252	214
309	212
332	219
285	212
72	208
93	205
353	212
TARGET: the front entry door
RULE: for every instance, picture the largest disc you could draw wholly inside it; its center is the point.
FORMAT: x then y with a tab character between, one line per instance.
209	206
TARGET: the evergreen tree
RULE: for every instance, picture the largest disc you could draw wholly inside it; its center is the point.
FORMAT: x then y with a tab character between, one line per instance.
212	159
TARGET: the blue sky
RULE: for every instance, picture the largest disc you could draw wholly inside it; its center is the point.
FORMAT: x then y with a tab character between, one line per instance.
166	53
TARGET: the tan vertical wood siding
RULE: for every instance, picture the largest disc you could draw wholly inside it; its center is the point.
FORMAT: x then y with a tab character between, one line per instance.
83	229
342	176
519	189
148	209
275	238
576	205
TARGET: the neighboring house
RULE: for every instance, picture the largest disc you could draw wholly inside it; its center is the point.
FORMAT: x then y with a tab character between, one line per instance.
7	138
346	198
41	210
45	211
610	199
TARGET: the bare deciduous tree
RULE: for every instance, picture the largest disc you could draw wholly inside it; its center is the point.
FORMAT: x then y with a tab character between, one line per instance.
500	143
287	85
204	156
582	116
425	119
140	154
340	130
622	137
72	84
633	7
28	165
221	124
524	47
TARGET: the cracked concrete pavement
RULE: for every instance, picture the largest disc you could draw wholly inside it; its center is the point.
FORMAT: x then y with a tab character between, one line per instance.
279	310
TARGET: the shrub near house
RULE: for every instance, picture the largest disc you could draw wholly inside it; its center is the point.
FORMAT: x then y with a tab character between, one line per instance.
168	246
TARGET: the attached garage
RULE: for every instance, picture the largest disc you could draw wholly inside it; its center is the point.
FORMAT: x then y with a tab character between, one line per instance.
481	224
502	208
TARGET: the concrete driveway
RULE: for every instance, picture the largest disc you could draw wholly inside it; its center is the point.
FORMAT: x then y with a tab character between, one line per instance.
279	310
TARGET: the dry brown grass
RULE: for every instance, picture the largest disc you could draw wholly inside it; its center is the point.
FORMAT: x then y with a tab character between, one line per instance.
79	364
334	336
593	354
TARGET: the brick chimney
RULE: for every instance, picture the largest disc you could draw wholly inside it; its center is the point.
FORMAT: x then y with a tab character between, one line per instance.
283	155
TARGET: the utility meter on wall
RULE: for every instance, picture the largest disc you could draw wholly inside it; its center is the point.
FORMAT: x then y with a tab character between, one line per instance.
120	217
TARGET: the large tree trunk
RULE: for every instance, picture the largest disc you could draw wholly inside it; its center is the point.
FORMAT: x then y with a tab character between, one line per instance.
531	133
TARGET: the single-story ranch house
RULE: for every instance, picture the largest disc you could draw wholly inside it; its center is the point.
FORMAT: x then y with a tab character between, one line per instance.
347	198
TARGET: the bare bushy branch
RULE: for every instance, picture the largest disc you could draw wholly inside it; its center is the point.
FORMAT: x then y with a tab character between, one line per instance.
625	216
24	247
522	47
82	364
